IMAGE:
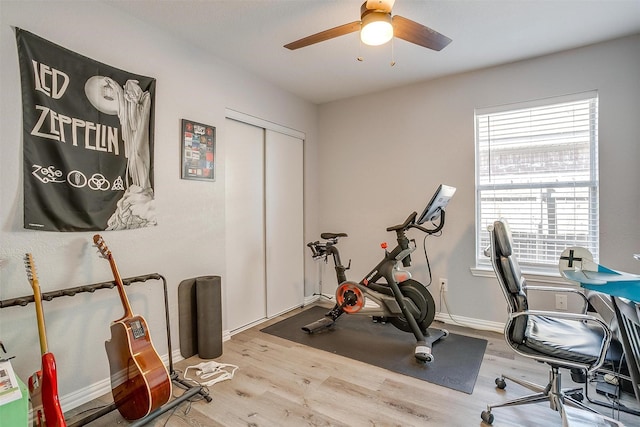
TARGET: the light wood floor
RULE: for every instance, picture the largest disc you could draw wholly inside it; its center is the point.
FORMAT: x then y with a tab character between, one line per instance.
281	383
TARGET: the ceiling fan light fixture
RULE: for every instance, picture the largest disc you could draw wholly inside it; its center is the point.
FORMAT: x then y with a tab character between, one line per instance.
376	28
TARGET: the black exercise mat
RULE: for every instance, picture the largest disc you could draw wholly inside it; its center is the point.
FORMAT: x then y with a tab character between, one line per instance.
457	358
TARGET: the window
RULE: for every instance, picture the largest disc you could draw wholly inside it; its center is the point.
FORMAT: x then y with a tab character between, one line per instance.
537	166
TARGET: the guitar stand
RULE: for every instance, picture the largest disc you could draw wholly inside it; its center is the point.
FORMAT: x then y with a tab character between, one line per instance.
191	390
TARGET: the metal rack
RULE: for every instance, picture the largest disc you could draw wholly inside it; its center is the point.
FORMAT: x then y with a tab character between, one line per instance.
190	390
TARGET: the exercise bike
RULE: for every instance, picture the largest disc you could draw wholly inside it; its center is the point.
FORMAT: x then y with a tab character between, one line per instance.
402	301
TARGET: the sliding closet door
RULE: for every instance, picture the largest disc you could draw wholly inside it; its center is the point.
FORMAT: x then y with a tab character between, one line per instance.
244	284
284	222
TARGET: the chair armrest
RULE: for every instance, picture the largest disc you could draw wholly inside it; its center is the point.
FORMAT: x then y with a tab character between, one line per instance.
487	251
604	347
585	301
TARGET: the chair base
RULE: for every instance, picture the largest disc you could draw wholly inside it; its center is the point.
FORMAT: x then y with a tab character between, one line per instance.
559	399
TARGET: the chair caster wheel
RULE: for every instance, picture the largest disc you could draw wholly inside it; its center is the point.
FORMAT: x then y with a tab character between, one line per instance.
445	332
578	396
501	383
487	417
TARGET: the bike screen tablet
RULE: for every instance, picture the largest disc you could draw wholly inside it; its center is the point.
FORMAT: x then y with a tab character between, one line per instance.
437	204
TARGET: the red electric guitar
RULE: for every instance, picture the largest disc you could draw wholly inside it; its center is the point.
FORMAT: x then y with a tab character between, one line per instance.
43	385
140	382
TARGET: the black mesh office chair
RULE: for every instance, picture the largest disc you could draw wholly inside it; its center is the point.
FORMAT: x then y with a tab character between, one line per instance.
559	339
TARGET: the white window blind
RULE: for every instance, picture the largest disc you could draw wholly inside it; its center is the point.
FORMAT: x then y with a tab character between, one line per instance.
537	166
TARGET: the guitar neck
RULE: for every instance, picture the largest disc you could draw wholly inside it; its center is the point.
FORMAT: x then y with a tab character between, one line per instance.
42	333
37	298
106	253
123	295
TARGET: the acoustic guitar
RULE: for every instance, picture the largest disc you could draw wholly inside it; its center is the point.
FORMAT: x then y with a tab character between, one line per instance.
140	382
43	385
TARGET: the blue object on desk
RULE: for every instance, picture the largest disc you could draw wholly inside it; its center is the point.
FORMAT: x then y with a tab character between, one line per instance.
605	280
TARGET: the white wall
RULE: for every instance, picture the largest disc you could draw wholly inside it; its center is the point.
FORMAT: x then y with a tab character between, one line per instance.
389	151
190	237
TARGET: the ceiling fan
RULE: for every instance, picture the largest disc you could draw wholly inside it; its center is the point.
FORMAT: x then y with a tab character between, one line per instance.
377	27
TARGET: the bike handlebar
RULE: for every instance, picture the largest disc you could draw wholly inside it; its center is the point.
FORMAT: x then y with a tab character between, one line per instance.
317	249
410	222
411	219
435	230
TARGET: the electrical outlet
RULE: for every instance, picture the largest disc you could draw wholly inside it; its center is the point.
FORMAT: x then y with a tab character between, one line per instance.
444	285
561	302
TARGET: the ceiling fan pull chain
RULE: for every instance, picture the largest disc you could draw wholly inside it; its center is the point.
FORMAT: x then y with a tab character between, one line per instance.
360	58
393	56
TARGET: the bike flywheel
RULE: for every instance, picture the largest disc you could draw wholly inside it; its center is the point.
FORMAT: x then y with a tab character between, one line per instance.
349	297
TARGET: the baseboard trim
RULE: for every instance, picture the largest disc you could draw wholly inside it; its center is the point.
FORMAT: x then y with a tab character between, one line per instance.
87	394
484	325
310	299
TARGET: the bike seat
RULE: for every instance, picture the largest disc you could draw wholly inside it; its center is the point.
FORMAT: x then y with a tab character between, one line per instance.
329	236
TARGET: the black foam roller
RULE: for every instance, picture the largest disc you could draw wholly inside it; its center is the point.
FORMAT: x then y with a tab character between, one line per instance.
209	316
188	320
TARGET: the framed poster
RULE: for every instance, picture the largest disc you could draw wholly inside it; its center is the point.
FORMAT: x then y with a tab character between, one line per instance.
198	143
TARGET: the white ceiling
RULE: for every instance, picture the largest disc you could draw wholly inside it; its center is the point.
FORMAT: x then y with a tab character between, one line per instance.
251	35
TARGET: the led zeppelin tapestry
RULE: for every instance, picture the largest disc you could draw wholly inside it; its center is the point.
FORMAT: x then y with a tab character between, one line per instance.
88	141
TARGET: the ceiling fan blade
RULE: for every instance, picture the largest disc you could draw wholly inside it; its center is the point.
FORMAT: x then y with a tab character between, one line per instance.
324	35
384	5
411	31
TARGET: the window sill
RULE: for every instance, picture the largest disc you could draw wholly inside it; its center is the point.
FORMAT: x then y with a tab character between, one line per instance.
535	275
